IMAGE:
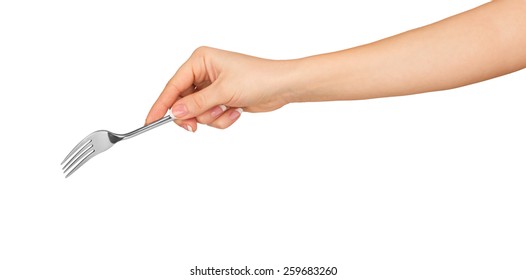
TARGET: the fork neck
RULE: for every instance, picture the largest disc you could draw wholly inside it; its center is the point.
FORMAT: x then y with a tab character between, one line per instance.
145	128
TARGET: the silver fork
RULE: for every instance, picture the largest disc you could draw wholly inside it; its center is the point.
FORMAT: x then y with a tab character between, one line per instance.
99	141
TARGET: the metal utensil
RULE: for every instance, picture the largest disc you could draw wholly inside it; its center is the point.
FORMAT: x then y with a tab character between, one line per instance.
99	141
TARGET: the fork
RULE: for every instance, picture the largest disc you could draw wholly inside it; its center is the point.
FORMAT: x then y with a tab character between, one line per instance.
101	140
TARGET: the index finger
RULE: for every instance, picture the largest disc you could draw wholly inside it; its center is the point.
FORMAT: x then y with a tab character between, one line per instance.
181	81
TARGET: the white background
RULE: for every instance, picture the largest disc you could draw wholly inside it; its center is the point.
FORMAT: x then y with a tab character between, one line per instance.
428	186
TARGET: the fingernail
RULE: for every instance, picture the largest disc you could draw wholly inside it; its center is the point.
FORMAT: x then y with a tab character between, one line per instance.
171	113
234	115
217	111
179	110
189	128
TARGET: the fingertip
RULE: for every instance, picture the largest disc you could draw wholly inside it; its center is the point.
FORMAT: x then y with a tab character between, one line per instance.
178	111
227	119
217	111
148	120
192	124
198	103
170	113
188	125
235	114
156	113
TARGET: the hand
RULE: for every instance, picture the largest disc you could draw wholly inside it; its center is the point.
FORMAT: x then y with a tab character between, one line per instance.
214	86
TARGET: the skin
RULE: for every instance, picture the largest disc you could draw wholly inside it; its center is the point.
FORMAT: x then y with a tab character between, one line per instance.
480	44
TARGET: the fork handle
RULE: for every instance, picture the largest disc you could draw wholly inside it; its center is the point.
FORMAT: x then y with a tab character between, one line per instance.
145	128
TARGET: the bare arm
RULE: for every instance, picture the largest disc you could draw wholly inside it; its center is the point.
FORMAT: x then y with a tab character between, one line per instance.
477	45
214	85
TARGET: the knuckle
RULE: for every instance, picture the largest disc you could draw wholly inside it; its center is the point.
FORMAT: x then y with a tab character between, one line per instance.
201	51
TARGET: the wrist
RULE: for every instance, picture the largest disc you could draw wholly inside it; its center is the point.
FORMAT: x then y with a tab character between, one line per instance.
293	86
312	79
286	78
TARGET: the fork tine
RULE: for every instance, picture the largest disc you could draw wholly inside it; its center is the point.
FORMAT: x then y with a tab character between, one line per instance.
80	151
79	158
88	157
81	143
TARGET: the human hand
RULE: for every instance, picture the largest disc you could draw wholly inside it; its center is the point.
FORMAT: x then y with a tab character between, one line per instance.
214	86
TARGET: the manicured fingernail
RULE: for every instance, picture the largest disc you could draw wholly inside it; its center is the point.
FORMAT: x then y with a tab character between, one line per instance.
179	110
189	128
217	111
171	114
235	114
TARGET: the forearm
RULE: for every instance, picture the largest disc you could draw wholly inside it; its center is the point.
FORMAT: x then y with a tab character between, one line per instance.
477	45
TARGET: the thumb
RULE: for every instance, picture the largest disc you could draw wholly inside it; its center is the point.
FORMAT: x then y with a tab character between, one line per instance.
196	103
